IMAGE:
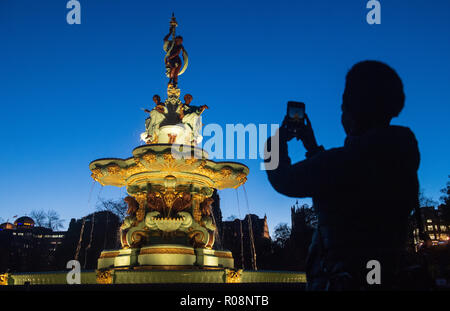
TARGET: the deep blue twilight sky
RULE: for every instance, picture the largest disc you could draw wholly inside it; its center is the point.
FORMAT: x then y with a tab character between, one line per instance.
70	94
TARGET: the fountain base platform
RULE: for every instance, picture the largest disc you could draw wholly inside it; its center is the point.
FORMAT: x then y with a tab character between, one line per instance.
165	257
131	276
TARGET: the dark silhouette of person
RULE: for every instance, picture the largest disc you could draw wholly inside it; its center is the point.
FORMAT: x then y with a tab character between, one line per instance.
362	192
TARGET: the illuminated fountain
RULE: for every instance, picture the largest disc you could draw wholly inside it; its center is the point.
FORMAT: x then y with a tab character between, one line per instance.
168	235
170	182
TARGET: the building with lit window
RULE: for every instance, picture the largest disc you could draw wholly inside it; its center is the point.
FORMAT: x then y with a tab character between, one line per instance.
25	247
434	226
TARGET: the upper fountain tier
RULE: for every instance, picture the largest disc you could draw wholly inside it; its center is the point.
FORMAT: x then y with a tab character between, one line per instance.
153	163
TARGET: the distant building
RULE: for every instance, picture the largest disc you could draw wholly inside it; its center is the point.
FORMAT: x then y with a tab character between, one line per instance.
217	216
24	222
302	218
25	247
7	226
434	226
256	241
87	237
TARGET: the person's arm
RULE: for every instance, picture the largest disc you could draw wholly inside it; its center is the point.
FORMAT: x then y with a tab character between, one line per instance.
322	171
295	180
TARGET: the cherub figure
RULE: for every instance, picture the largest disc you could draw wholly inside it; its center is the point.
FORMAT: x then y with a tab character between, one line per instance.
157	115
173	62
130	220
182	202
155	202
190	116
206	207
133	206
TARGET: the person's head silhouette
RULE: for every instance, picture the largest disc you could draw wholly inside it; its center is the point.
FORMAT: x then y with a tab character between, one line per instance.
373	96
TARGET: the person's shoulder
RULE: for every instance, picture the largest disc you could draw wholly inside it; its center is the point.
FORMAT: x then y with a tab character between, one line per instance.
401	140
394	138
397	132
400	129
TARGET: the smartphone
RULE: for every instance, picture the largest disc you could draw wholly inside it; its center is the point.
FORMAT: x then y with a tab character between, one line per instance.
296	111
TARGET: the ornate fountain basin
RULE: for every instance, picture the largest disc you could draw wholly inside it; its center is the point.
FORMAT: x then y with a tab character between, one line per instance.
152	163
168	224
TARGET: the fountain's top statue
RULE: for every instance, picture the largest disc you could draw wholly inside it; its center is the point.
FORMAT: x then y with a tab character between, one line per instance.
173	121
173	48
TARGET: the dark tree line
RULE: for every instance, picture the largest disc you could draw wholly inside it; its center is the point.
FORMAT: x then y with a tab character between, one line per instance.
290	245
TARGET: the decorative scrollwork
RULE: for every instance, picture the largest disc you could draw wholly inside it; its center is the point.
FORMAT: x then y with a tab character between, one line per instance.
225	171
97	175
4	278
138	238
150	158
113	169
241	178
141	198
197	238
169	159
233	276
190	161
105	276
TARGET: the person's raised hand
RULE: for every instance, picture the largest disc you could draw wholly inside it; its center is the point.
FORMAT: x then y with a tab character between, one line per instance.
305	133
285	133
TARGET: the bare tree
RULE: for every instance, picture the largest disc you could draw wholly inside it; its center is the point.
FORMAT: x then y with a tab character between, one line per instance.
425	201
118	207
39	217
53	221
